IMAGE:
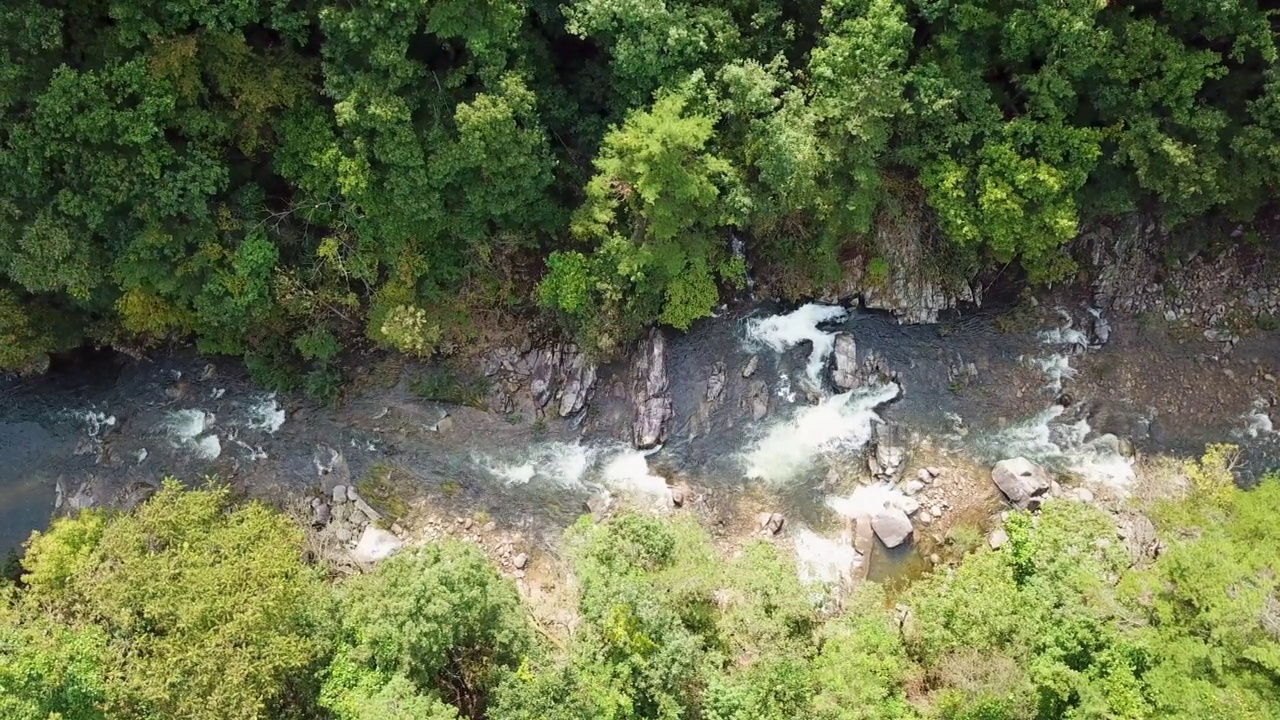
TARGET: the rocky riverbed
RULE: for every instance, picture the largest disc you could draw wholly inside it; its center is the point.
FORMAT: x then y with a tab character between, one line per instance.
834	427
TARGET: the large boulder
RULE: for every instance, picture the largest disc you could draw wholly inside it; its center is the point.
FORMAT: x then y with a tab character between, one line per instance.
1022	481
892	526
845	354
649	392
758	399
886	459
579	379
376	544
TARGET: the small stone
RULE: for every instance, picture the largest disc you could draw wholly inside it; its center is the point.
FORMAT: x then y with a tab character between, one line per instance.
315	502
519	574
997	538
1084	495
343	534
444	424
924	517
912	487
321	514
933	471
397	529
771	523
681	494
1055	489
752	364
490	526
1269	377
923	476
520	561
357	518
339	494
908	505
935	559
467	523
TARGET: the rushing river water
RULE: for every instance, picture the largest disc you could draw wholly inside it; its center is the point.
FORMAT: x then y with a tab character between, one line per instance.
105	431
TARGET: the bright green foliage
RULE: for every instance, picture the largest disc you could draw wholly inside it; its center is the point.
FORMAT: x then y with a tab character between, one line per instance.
194	611
861	669
655	211
1212	605
186	609
435	621
47	671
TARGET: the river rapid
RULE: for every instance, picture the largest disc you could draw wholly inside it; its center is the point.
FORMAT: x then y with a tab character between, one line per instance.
1082	393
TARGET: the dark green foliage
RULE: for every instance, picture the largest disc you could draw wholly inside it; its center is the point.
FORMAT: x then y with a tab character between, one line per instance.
280	179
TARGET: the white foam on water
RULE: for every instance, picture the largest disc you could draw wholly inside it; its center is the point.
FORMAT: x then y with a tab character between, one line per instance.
822	560
265	414
840	423
185	425
785	391
252	453
184	429
1065	447
207	447
866	500
557	463
628	472
1064	336
94	421
1057	369
782	332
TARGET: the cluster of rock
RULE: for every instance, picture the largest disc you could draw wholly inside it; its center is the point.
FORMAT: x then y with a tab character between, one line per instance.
1027	485
914	290
888	453
1132	276
849	373
560	378
355	524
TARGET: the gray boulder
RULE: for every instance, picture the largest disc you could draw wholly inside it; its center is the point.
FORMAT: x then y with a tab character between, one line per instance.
649	392
845	353
579	381
1022	481
758	399
892	526
375	544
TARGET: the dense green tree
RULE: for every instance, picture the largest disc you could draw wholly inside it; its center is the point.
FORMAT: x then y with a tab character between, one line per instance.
183	609
433	622
656	212
280	179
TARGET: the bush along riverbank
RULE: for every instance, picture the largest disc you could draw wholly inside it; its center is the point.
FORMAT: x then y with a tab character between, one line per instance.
195	607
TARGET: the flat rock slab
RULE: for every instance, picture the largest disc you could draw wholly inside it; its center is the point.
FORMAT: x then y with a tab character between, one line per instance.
376	544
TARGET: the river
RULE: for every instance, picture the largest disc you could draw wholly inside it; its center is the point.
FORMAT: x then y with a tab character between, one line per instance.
105	429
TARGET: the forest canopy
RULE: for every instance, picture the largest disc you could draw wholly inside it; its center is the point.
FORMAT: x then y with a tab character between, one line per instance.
280	179
195	608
